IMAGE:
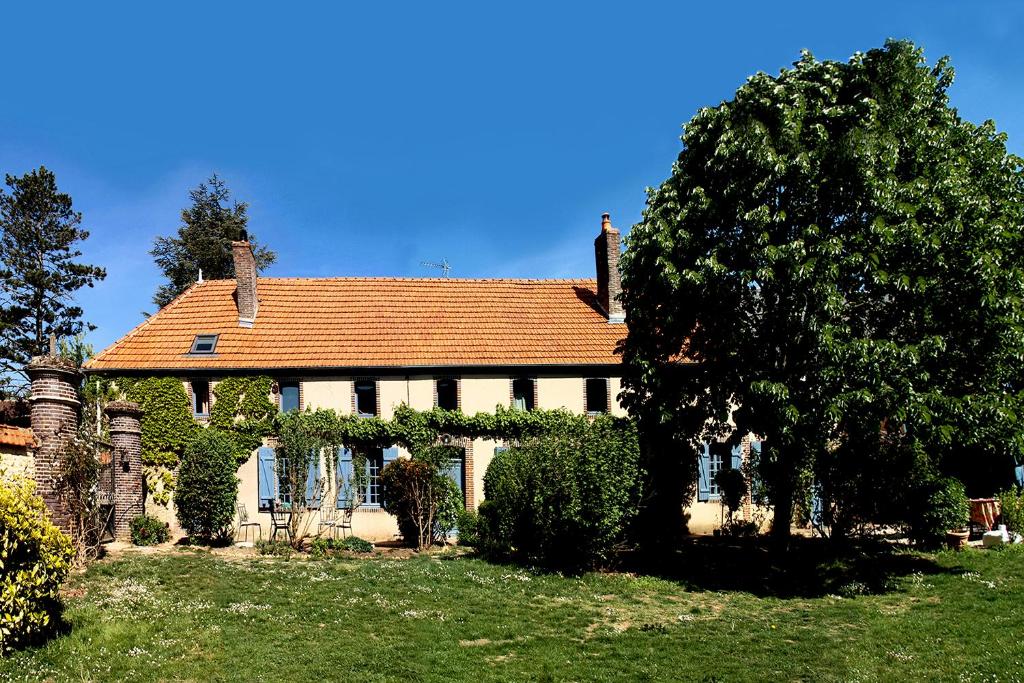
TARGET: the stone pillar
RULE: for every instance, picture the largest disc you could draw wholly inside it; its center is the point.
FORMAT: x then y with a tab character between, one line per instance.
55	407
129	482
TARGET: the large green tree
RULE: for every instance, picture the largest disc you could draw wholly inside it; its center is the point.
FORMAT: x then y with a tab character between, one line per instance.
837	254
39	268
203	241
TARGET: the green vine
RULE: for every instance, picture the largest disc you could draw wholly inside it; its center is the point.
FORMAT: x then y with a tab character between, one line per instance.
167	422
244	410
416	430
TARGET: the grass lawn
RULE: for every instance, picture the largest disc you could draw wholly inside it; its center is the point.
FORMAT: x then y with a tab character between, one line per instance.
189	615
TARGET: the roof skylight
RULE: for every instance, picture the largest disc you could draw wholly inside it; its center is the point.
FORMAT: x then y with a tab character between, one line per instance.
204	344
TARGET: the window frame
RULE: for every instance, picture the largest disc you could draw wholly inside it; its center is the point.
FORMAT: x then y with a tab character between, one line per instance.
355	397
195	397
606	408
530	396
212	339
374	458
721	453
454	382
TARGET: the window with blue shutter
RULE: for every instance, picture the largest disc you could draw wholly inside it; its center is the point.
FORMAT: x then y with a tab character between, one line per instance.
344	477
289	396
313	492
704	474
1019	473
267	477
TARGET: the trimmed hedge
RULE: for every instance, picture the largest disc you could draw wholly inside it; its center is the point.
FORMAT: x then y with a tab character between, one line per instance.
207	487
35	558
563	500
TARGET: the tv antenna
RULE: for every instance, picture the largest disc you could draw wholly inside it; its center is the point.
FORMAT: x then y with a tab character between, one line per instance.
443	266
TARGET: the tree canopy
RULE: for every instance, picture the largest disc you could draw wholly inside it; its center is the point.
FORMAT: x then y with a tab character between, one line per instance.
838	255
39	270
203	241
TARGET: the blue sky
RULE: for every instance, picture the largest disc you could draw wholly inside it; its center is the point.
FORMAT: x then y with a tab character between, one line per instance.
367	139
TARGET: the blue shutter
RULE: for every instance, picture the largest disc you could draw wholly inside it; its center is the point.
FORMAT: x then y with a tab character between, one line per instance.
454	471
266	476
1019	471
737	457
704	478
755	450
389	456
500	449
344	476
312	475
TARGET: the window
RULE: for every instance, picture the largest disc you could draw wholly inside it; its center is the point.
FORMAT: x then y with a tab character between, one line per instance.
374	464
289	396
204	344
597	395
200	398
366	398
522	394
448	394
719	456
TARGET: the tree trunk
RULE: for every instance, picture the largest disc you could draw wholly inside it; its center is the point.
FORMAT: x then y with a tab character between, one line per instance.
782	504
670	475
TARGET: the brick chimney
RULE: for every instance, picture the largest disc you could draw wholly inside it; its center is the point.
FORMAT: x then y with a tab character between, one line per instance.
245	277
606	250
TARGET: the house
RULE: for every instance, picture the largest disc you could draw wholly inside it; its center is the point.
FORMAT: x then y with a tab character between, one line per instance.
366	345
17	446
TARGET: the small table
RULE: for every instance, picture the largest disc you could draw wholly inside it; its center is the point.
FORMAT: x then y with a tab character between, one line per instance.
984	512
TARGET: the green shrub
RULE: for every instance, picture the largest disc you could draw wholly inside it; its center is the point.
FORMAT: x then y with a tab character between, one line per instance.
35	558
324	547
147	530
1011	503
467	524
565	499
938	506
423	499
449	506
276	548
207	487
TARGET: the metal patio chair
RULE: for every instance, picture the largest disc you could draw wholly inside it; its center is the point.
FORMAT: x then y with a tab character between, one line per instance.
244	525
279	522
343	520
329	521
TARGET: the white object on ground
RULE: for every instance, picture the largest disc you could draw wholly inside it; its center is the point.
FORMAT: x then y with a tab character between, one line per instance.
994	538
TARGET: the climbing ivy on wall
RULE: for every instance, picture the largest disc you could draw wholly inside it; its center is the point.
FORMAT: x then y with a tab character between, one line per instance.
417	429
167	423
242	408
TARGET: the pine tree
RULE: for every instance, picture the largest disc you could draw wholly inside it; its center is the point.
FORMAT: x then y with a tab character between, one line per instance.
39	230
203	241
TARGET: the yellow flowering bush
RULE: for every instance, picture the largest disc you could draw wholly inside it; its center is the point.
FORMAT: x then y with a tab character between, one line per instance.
35	558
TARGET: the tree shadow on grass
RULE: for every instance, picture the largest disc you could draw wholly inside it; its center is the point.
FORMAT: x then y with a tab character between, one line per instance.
810	568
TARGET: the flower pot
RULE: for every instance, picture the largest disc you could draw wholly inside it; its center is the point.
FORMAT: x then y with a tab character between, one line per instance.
957	540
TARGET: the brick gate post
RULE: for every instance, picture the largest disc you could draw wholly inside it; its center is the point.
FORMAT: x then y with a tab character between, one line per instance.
54	413
129	482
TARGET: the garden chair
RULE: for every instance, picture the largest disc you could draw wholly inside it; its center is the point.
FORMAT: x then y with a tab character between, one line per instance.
329	521
279	522
244	525
343	520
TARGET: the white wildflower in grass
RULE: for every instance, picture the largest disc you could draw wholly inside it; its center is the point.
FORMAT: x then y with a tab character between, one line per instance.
246	607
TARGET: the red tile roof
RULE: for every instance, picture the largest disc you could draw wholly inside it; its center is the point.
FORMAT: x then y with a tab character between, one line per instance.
17	436
376	322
